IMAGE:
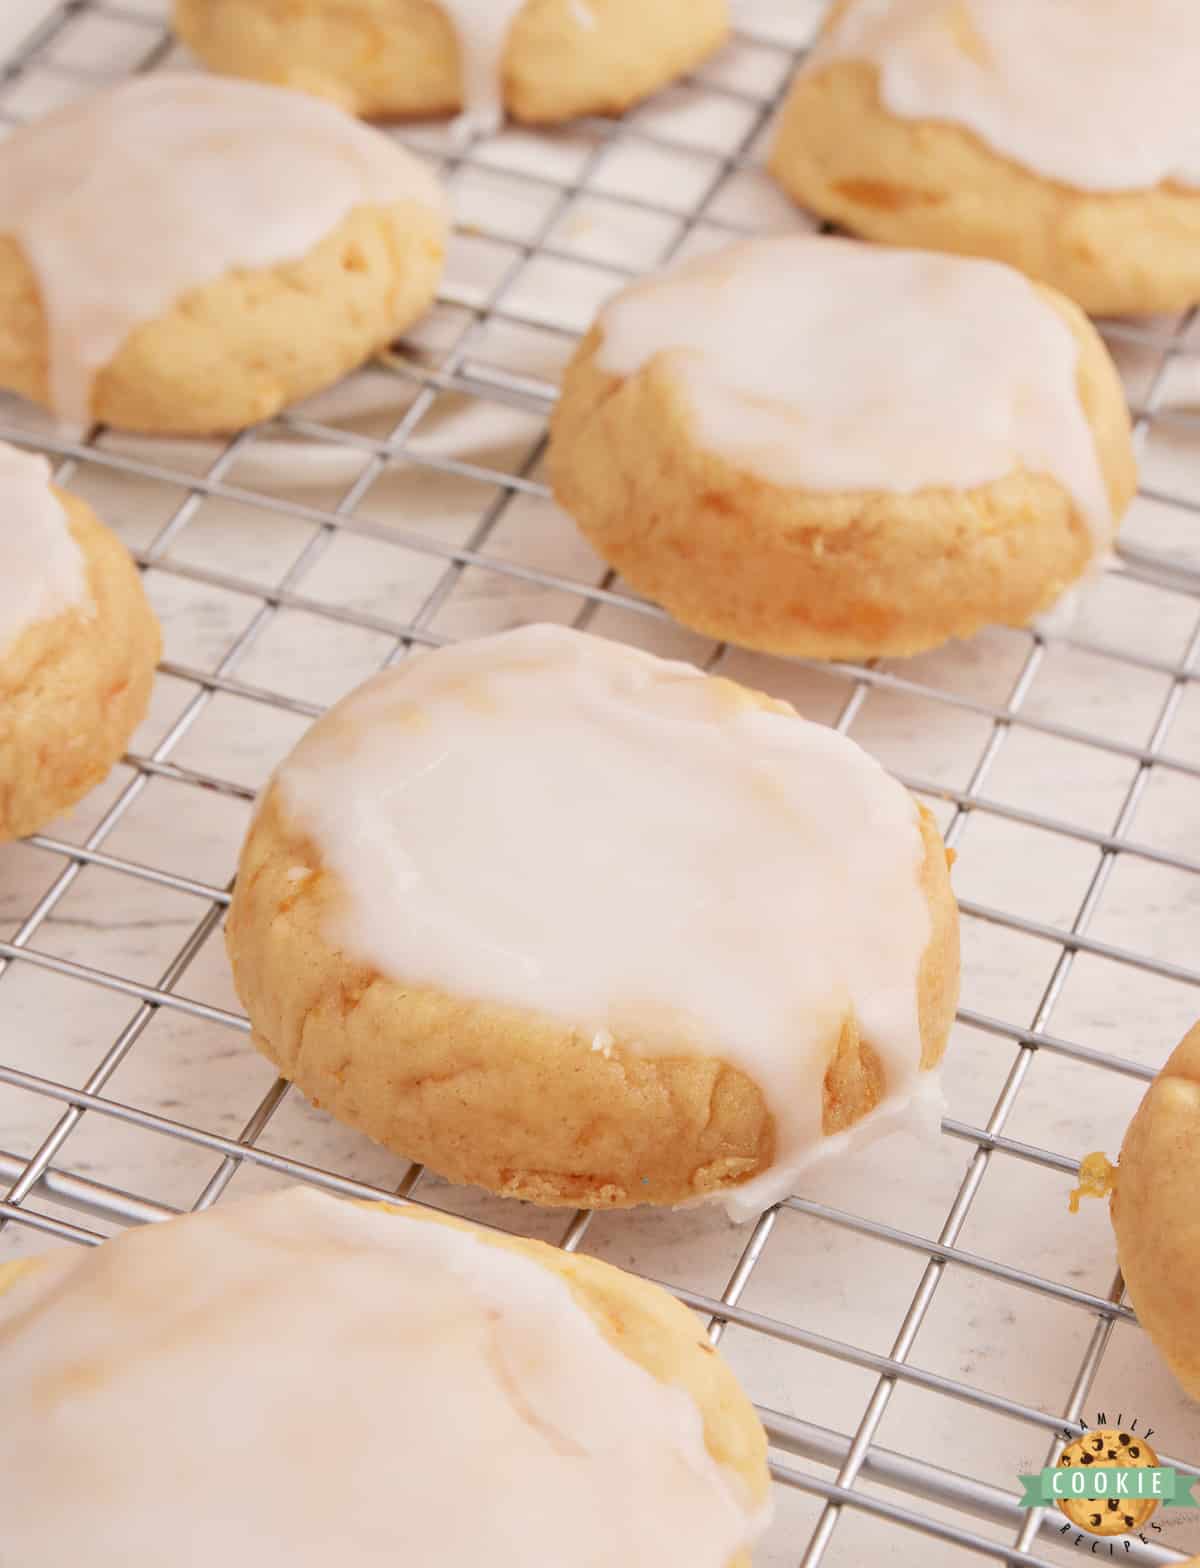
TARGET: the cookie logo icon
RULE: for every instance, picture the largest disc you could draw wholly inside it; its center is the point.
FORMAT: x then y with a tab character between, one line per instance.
1121	1510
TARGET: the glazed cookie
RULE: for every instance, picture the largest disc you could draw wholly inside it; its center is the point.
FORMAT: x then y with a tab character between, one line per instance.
582	926
1155	1216
184	254
298	1381
542	60
1060	138
811	446
78	646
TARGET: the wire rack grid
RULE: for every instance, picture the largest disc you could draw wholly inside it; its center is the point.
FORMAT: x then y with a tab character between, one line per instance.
925	1321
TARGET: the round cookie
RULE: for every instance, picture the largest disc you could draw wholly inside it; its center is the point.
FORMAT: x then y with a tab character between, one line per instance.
815	447
187	255
542	60
1154	1212
581	926
1103	1516
78	647
384	1366
973	126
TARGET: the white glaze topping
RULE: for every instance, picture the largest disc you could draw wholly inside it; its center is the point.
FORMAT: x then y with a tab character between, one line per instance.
482	29
126	200
552	821
43	571
295	1381
831	365
1101	96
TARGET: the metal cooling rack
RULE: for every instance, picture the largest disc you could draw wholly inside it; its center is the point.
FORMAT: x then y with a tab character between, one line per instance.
1057	759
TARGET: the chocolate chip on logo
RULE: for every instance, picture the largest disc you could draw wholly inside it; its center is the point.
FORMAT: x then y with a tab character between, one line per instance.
1107	1516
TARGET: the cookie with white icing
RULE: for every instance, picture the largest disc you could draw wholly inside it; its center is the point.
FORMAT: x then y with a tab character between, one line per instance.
1059	138
541	60
185	254
1154	1212
294	1381
816	447
78	647
583	926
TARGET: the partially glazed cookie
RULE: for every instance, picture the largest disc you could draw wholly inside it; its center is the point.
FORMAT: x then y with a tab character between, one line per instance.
297	1381
815	447
582	926
184	254
1059	138
78	647
1155	1214
541	60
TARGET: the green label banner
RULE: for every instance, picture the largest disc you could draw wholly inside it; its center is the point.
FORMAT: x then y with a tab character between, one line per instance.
1063	1482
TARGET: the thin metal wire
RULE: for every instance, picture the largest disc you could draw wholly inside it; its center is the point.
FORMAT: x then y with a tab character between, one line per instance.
972	1182
463	368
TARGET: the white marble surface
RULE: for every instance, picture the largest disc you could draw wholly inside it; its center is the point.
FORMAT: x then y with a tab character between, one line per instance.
207	577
